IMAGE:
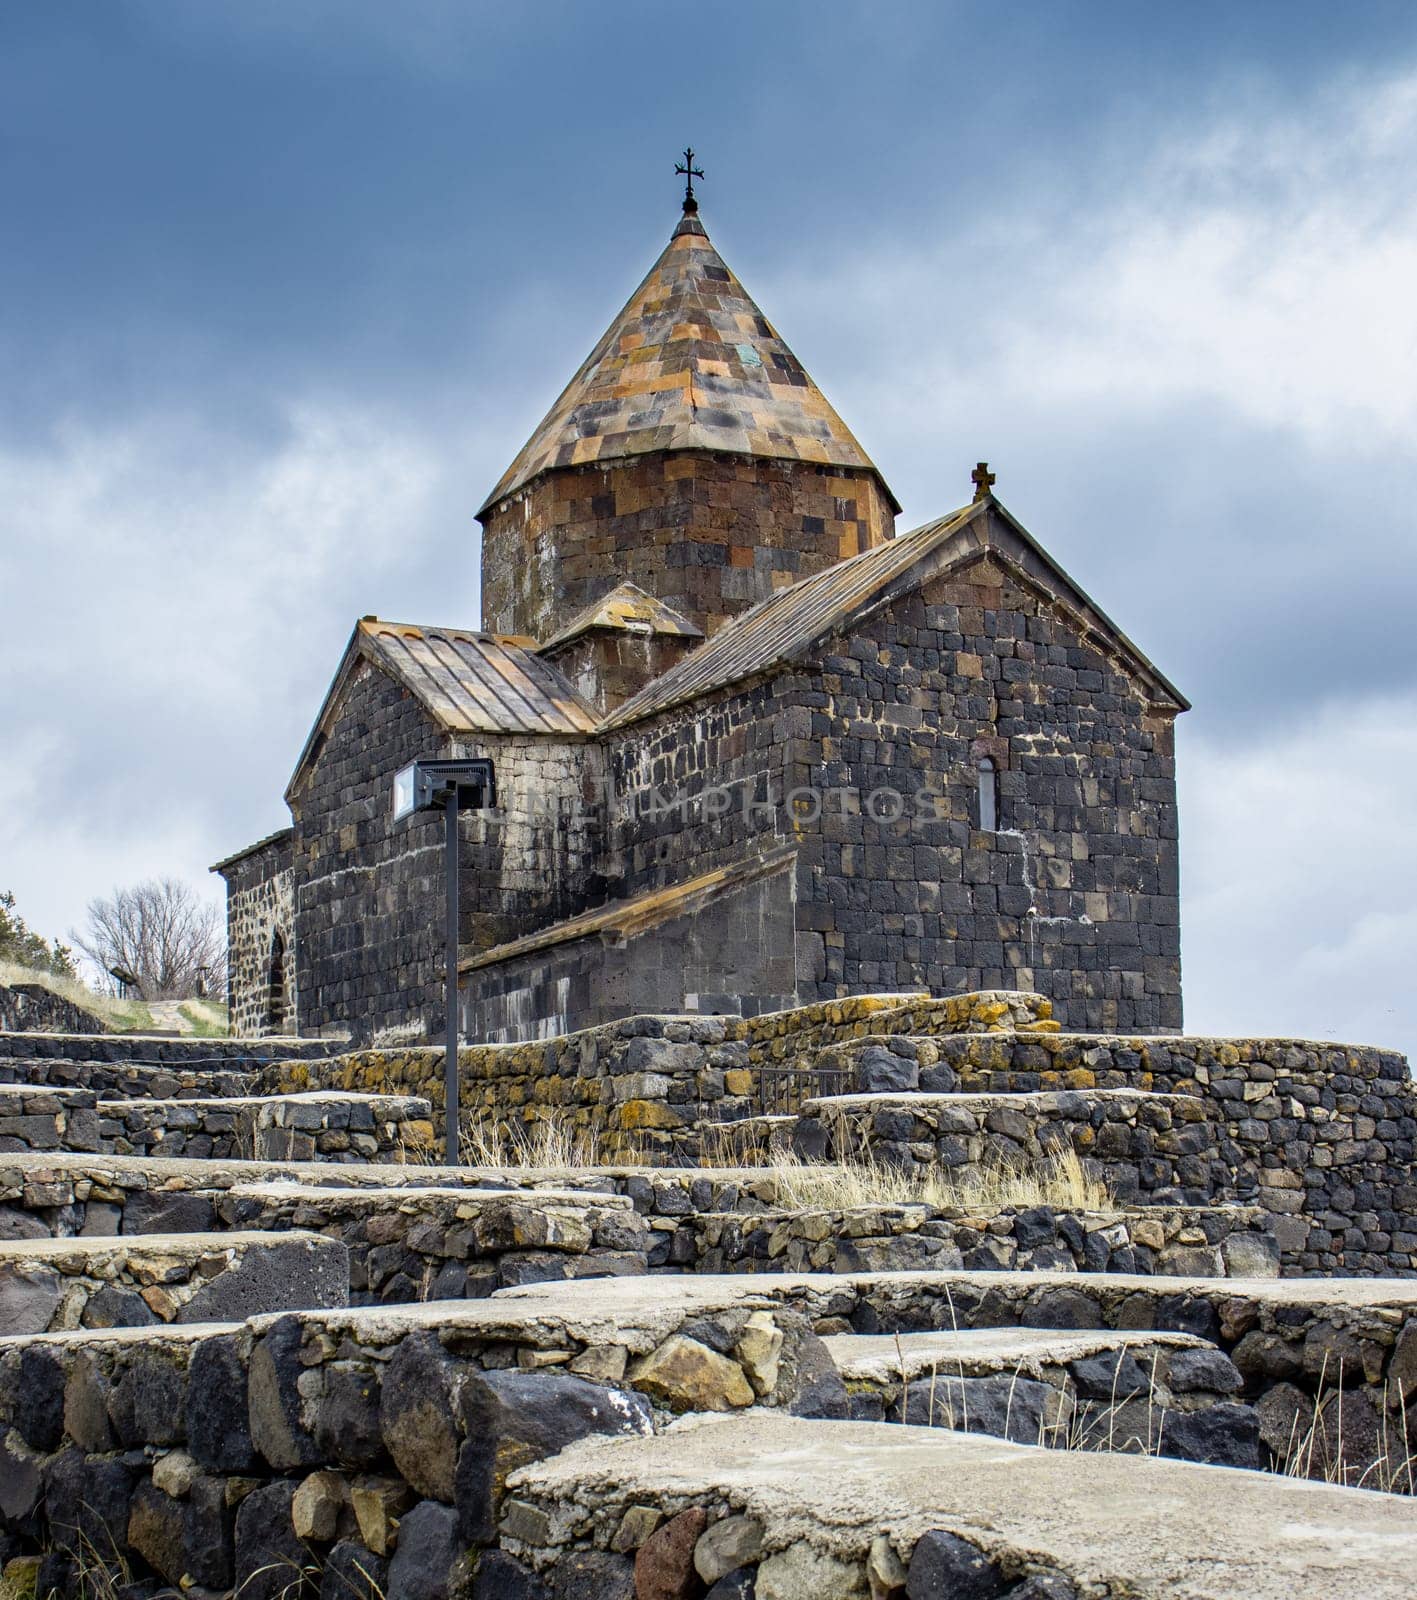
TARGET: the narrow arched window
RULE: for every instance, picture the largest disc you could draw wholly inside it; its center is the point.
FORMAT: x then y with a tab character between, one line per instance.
275	986
988	796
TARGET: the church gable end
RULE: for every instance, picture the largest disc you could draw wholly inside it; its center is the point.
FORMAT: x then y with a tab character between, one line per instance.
973	700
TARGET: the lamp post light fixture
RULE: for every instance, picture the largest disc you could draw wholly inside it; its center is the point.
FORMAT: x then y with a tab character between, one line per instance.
449	787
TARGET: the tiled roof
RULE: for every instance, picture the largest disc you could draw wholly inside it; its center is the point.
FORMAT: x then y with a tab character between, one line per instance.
624	919
478	682
627	608
278	837
782	627
690	363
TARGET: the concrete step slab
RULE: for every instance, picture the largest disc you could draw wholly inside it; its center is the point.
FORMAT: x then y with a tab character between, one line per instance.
964	1514
1140	1393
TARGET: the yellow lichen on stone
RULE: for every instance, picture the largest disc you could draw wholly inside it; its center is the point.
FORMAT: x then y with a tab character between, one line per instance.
648	1114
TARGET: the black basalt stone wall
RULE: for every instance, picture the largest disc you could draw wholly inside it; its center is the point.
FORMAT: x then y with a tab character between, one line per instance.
867	758
733	956
370	894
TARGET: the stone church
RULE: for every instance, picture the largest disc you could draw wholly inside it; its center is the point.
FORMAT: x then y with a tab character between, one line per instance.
753	747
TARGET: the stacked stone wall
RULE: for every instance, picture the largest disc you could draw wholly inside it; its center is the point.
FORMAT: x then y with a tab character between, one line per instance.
258	1457
30	1008
1325	1133
645	1086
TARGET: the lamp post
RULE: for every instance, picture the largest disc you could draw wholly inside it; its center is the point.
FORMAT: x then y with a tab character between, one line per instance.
449	786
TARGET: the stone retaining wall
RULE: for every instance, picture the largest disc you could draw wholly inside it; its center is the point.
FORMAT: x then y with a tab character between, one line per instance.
1138	1393
450	1244
1322	1136
1343	1353
1211	1242
158	1049
47	1119
1144	1147
641	1086
30	1008
330	1126
55	1285
250	1455
121	1080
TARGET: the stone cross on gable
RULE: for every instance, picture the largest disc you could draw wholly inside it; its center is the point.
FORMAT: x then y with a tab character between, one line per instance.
983	480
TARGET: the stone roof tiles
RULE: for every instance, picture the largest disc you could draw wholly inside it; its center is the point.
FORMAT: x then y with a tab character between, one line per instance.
690	363
478	682
626	609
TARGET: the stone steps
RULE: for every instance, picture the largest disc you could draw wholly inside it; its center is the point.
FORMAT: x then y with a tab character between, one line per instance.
711	1220
1217	1241
54	1285
121	1080
837	1509
1137	1392
1331	1360
1144	1146
325	1125
451	1243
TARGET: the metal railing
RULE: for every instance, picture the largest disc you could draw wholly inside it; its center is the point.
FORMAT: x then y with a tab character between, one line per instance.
781	1091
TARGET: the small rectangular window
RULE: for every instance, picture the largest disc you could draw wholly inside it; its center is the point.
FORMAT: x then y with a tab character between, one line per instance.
988	797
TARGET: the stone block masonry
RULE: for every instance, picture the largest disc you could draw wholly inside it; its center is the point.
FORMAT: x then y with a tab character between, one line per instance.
644	1086
1321	1135
1334	1361
710	534
48	1119
53	1285
1141	1393
450	1244
155	1049
260	924
1142	1146
327	1125
124	1080
29	1007
1219	1241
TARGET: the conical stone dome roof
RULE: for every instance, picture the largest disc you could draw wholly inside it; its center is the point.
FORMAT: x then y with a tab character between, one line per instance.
691	363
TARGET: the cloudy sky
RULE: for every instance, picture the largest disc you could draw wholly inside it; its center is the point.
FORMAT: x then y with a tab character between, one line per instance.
286	284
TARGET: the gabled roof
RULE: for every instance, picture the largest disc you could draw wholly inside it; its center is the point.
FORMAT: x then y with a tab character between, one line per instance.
627	919
690	363
626	609
467	682
784	626
279	837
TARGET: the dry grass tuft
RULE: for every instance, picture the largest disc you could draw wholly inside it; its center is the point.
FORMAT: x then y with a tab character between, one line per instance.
1061	1181
1318	1452
546	1144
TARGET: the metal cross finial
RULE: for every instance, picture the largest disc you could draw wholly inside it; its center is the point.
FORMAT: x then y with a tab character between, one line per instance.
983	480
688	171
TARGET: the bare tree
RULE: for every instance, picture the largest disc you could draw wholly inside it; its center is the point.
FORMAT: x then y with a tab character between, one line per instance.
159	939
